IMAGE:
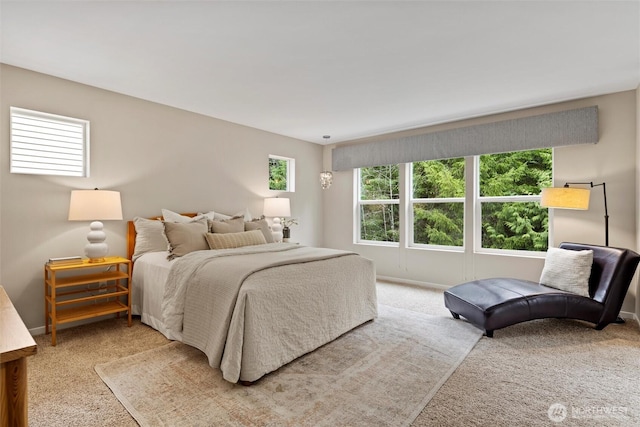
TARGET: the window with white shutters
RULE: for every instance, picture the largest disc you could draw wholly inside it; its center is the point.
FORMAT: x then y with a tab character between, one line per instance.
48	144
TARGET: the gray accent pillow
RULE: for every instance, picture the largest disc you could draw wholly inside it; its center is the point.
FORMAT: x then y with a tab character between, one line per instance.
262	225
567	270
149	237
232	225
235	240
185	237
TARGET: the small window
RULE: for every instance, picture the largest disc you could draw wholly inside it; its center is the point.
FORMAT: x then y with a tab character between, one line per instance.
281	173
47	144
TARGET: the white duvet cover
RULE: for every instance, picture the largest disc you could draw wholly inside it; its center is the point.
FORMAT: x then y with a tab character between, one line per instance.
254	309
147	290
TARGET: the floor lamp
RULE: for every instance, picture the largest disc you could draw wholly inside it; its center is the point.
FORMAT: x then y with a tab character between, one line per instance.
575	198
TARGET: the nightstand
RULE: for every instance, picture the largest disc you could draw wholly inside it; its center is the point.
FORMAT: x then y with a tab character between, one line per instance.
84	290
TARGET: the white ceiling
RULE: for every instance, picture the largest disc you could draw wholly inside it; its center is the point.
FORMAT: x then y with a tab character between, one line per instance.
348	69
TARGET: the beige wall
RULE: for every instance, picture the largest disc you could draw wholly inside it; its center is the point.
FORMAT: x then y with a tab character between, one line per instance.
612	160
161	157
156	156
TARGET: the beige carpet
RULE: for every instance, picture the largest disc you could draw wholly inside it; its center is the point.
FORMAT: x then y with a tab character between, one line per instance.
510	380
381	374
515	378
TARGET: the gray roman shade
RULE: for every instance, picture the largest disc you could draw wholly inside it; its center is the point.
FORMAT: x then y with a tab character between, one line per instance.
569	127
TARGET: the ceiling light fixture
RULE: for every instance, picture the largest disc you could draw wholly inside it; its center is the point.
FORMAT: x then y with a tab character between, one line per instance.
326	176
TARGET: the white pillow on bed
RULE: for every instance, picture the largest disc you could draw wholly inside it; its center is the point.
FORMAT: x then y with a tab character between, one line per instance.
149	237
171	216
211	215
567	270
220	216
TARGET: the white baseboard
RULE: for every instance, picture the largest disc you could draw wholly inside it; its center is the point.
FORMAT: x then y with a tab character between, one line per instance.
630	316
411	282
39	330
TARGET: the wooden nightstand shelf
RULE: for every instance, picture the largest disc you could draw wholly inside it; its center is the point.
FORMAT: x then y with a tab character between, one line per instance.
69	296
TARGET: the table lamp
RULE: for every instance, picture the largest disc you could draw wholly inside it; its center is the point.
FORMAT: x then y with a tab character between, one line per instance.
95	205
276	208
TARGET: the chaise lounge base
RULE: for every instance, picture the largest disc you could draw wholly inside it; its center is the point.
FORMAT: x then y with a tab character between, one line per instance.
496	303
492	304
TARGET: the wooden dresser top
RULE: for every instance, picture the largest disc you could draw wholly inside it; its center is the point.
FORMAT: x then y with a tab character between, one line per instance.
15	339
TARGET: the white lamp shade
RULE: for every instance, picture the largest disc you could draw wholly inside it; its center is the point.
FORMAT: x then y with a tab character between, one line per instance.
95	205
91	205
276	207
565	198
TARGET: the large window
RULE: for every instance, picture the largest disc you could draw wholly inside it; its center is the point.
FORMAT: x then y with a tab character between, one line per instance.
378	204
505	210
48	144
437	201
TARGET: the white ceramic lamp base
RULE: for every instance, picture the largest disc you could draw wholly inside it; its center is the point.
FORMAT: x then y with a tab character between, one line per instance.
276	230
97	248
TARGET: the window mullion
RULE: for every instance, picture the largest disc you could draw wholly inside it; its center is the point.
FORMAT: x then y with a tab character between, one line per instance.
439	200
506	199
474	220
404	187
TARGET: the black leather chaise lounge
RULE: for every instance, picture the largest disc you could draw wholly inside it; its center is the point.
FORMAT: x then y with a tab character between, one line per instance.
495	303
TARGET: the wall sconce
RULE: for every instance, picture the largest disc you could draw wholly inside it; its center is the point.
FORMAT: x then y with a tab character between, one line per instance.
95	205
574	198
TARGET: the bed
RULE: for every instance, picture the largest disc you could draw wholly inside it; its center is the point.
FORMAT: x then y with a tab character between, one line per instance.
253	308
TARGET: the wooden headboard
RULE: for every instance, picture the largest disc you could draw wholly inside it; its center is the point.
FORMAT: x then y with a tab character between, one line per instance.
131	233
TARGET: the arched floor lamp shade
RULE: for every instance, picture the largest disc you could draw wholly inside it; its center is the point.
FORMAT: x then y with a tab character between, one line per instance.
567	197
95	205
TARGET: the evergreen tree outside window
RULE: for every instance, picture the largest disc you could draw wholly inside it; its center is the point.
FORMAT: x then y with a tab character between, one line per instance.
506	205
437	202
509	187
378	204
281	173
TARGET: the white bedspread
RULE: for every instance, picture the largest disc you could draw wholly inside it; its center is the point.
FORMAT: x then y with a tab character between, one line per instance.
147	290
254	309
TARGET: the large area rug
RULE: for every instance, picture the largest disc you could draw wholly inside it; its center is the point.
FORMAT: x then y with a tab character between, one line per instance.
382	373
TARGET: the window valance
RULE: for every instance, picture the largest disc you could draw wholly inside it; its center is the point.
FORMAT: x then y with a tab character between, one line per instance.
579	126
